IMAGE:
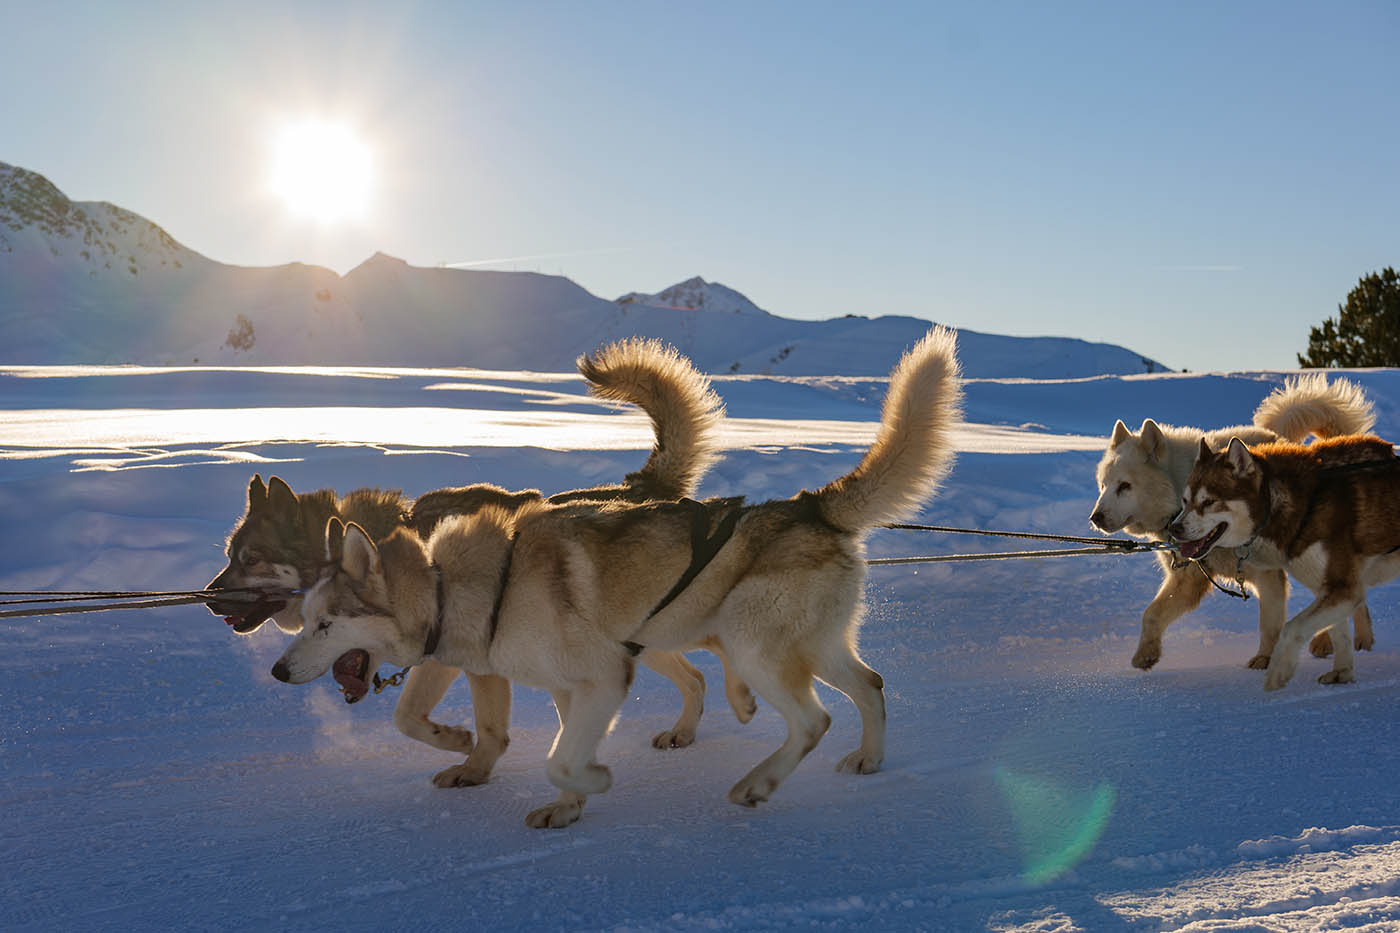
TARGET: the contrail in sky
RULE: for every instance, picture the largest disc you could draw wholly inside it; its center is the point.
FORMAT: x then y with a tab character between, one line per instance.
494	262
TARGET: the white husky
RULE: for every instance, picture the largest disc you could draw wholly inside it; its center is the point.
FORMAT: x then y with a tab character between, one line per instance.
1141	480
564	596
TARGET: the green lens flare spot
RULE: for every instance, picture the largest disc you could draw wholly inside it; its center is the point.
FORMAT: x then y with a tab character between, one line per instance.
1057	825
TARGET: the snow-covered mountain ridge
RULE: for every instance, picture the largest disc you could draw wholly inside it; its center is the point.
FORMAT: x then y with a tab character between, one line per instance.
89	282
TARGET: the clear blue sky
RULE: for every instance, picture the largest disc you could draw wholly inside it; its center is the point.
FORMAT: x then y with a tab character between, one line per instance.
1200	182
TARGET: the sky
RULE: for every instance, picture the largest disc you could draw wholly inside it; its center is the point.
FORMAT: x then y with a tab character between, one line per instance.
1200	182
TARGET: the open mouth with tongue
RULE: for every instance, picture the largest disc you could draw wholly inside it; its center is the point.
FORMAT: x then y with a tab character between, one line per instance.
351	671
257	614
1193	550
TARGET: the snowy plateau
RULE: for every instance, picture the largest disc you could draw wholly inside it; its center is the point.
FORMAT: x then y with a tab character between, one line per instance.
157	777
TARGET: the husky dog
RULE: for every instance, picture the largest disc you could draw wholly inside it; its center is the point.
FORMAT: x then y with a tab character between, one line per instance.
562	597
1329	514
278	545
1141	480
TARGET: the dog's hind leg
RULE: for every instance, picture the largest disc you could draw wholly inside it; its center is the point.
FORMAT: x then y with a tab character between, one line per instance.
1272	588
866	689
1321	645
427	684
789	690
740	697
1181	591
691	683
491	706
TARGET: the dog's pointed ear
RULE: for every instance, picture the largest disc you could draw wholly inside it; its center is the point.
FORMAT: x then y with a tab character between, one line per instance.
1153	440
282	502
1204	453
1240	458
1120	434
335	540
257	494
361	557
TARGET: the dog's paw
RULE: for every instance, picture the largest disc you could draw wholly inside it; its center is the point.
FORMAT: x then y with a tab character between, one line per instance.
556	815
1277	678
742	701
1365	644
673	738
1321	645
1260	662
752	791
857	762
452	739
1338	677
1147	656
463	775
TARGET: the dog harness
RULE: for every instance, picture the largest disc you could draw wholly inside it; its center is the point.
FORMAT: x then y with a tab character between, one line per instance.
704	546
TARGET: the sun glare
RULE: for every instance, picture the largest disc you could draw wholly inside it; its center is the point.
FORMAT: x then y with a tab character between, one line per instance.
322	171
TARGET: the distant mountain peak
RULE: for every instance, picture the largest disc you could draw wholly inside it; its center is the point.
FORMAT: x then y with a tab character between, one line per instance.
99	234
695	294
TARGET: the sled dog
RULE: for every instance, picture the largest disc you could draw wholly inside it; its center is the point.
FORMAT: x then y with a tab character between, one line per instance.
1142	477
279	542
1329	514
562	596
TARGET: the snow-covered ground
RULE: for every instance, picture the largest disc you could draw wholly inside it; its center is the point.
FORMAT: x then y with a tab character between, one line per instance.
156	776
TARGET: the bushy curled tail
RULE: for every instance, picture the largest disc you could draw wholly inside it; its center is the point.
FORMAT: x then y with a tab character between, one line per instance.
684	410
1309	404
913	450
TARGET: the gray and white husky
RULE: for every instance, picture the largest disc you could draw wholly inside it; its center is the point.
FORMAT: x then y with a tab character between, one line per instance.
562	597
1142	477
279	543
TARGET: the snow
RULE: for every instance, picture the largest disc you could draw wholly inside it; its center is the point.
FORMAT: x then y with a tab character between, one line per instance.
156	776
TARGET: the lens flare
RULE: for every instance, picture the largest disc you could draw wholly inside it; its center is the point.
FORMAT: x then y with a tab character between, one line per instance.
1057	825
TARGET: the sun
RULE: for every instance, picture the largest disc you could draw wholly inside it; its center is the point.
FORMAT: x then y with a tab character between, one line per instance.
322	171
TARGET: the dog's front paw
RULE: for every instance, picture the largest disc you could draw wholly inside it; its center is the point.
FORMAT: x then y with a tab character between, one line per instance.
1366	643
1279	675
1321	645
463	775
857	762
752	791
556	815
1338	677
1260	662
452	739
673	738
1147	656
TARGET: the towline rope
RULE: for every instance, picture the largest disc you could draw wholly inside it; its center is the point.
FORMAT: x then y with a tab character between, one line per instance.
1095	546
59	602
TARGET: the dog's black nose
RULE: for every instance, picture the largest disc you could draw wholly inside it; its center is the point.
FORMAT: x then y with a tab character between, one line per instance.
282	672
1176	531
1098	519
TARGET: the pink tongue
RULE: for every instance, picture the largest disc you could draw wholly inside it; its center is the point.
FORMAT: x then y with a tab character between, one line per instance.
347	673
353	685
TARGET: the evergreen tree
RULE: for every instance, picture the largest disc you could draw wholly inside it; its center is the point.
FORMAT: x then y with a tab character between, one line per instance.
1366	331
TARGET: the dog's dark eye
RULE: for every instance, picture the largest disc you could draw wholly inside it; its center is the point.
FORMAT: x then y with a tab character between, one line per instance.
1207	503
1124	487
323	625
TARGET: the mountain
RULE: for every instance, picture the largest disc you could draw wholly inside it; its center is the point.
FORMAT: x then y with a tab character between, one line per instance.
90	282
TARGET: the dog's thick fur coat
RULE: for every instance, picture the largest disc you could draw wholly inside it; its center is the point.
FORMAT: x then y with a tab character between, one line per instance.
1142	478
279	543
1329	514
559	596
